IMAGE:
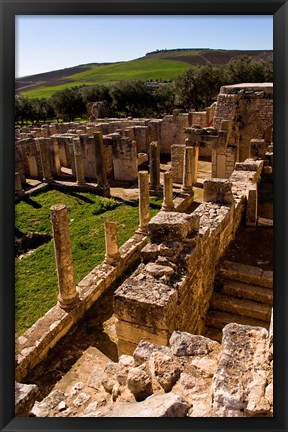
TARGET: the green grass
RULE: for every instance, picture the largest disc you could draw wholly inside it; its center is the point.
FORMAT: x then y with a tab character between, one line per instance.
35	274
141	69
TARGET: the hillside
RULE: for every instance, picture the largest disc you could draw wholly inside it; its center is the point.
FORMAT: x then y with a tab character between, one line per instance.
160	65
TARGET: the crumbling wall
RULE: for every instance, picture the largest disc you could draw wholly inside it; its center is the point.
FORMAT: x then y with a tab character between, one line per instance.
249	110
173	286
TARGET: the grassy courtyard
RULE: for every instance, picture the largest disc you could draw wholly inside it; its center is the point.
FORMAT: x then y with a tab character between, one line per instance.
35	272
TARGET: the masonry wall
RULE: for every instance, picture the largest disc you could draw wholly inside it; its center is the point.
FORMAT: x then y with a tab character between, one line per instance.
249	110
173	286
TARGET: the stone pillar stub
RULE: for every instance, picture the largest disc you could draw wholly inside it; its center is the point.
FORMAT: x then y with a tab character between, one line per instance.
112	254
168	204
45	161
252	206
144	204
79	168
18	185
67	296
154	161
100	164
187	171
218	191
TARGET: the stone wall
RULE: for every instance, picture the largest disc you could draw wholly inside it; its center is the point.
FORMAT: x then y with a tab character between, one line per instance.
249	110
172	287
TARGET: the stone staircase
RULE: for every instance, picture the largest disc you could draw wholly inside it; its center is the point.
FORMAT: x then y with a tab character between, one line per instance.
243	294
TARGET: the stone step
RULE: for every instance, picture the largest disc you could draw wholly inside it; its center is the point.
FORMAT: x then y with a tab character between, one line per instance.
247	291
242	307
218	319
246	273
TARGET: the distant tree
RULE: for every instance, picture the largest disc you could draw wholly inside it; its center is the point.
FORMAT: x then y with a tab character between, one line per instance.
95	93
68	104
131	98
24	110
197	88
246	69
268	68
164	99
43	109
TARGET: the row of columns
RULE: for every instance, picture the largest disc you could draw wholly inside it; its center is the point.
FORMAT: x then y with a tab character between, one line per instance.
68	296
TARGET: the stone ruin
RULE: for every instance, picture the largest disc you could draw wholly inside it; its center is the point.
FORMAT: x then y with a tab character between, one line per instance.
168	365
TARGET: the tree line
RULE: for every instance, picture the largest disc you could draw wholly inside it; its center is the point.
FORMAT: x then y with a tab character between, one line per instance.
195	88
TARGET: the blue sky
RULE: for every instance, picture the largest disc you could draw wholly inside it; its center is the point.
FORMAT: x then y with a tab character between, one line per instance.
45	43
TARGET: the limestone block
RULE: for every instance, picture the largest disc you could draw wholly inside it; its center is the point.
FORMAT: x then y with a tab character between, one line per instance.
239	381
25	396
139	383
172	226
134	333
162	405
146	302
149	252
165	369
145	349
218	191
186	344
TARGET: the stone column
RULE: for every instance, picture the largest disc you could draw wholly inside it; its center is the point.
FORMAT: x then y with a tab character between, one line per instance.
100	164
252	205
18	185
168	192
78	162
112	254
144	205
154	161
195	157
67	296
45	161
187	171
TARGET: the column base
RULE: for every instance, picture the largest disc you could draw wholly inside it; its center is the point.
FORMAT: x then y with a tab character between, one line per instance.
168	208
112	260
142	231
67	305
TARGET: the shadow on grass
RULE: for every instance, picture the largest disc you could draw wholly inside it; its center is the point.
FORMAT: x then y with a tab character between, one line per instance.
80	197
31	202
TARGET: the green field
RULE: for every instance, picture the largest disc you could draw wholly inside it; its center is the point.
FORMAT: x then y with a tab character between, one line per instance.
35	273
141	69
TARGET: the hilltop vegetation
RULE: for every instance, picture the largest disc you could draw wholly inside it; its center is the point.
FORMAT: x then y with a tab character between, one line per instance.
194	88
161	65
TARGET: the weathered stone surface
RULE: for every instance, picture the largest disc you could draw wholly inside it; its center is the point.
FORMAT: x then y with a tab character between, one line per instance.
25	396
149	302
240	380
165	369
145	350
218	191
172	226
149	252
139	383
155	406
186	344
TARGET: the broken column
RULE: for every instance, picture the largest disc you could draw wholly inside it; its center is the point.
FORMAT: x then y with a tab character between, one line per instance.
101	164
168	204
112	254
252	205
78	162
154	161
44	155
144	205
18	185
187	171
67	296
